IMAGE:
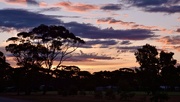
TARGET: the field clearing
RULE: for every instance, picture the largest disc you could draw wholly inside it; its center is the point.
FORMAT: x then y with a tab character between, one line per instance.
53	97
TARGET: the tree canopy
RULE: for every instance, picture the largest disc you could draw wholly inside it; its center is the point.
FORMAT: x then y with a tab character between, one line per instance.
43	45
156	68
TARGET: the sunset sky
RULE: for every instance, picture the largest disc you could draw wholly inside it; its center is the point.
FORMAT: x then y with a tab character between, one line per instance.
113	29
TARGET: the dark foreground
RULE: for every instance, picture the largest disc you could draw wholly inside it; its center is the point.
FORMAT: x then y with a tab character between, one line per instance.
76	98
7	99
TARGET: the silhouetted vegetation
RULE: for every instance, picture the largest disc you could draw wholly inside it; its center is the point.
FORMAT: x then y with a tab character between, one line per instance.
40	48
156	71
37	50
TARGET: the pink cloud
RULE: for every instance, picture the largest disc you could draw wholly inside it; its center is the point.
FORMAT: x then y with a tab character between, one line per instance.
178	19
126	15
133	25
78	7
170	40
114	21
177	48
43	4
21	2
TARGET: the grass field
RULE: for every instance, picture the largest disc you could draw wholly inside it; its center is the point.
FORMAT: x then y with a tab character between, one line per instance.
53	97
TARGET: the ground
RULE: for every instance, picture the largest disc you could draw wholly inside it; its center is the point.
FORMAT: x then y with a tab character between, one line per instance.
79	98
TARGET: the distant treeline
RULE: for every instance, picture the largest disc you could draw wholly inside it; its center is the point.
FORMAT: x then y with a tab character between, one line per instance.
154	74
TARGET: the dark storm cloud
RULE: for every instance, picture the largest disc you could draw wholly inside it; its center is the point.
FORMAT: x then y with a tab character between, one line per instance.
18	19
128	48
61	16
90	57
166	6
144	3
104	42
32	2
111	7
101	43
125	42
171	9
92	32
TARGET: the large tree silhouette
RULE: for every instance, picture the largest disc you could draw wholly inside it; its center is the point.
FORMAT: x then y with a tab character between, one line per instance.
156	69
43	46
148	73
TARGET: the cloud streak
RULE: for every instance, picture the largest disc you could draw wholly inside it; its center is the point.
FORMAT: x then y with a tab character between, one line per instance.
89	57
18	19
125	42
112	7
132	25
14	18
21	2
165	6
92	32
143	3
123	49
78	7
171	9
49	9
100	43
172	40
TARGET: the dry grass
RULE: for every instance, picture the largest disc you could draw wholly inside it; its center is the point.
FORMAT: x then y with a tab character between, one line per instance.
58	98
52	97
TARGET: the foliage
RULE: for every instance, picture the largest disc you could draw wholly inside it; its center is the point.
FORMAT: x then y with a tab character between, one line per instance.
43	45
5	71
169	72
147	58
156	71
4	67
